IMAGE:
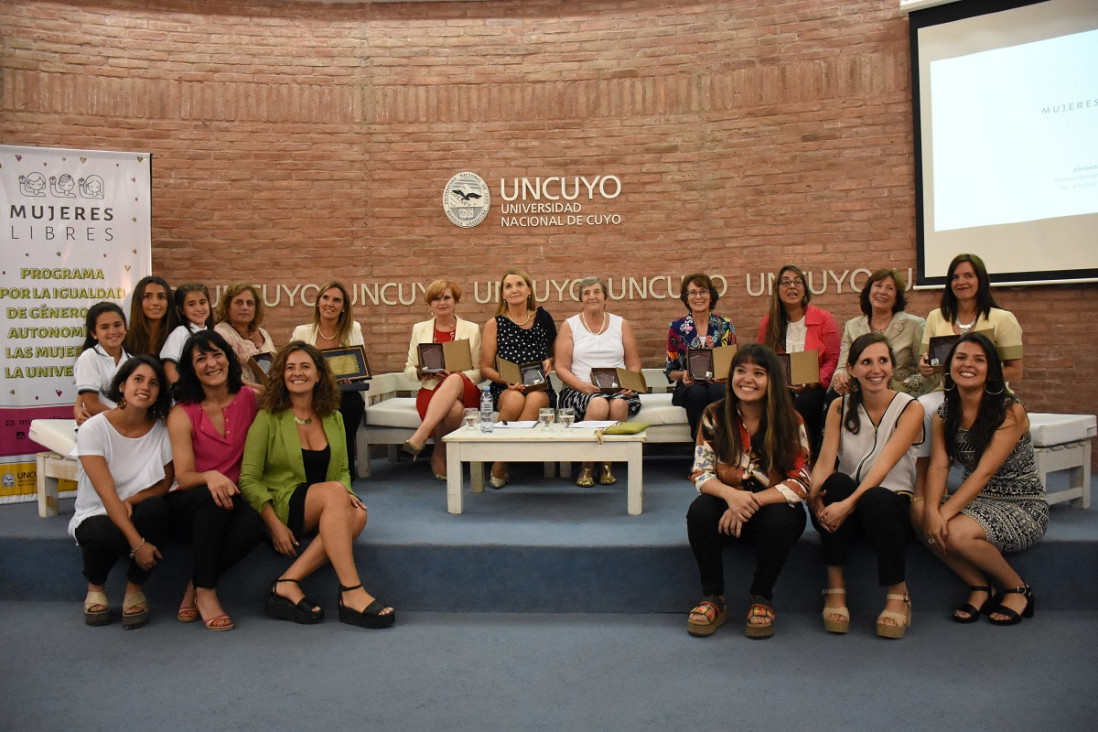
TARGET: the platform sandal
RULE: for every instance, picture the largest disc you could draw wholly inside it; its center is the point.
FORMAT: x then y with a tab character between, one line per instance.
135	610
372	616
1013	617
972	613
831	625
97	609
713	611
305	611
760	608
902	620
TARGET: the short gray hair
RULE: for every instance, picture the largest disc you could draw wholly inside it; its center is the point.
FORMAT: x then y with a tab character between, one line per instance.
593	280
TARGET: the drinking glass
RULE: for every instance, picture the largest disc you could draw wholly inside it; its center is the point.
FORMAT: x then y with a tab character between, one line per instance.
567	416
470	417
545	417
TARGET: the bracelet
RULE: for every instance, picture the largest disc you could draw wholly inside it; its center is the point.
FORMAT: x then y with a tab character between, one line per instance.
916	499
134	550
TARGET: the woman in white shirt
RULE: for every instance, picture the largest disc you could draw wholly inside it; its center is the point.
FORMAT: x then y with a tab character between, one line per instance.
125	471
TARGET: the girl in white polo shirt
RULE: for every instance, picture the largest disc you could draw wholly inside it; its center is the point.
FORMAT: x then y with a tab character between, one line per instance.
97	364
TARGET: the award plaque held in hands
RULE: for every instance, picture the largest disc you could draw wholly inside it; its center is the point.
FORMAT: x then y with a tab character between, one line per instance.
610	381
348	364
530	374
801	367
452	356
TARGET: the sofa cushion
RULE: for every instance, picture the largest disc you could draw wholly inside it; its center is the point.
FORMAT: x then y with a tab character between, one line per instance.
1057	429
395	412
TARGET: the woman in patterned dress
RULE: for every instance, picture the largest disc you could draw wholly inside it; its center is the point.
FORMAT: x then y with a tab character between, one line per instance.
699	328
1000	506
595	339
521	332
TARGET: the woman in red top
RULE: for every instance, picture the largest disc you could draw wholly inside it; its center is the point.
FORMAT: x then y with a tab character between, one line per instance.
793	325
208	428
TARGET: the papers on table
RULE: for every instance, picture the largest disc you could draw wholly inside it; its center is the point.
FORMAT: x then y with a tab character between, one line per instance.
592	424
525	425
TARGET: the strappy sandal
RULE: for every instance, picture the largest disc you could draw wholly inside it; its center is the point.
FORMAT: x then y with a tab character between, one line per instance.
842	624
188	613
902	620
305	611
972	613
760	608
1013	617
219	623
370	617
135	610
605	476
585	480
714	610
97	609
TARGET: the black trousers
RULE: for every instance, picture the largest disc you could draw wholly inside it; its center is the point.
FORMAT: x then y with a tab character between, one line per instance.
103	543
881	516
810	405
352	408
219	538
773	531
694	398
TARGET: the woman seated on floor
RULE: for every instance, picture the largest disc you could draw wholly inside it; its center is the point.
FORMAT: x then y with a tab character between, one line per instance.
443	397
1000	505
521	332
699	328
591	339
125	470
295	474
752	473
871	432
208	427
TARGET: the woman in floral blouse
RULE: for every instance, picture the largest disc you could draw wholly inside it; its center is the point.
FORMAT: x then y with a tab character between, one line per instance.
699	328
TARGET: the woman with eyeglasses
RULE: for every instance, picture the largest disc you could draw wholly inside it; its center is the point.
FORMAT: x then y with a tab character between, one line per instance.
699	328
794	325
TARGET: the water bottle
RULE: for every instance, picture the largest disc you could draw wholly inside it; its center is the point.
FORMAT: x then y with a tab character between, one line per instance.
485	409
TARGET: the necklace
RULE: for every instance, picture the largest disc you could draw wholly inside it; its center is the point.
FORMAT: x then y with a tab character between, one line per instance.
452	328
525	320
324	335
303	422
589	329
966	327
882	329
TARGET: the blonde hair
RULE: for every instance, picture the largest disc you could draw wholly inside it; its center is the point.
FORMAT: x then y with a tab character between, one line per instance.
531	303
435	289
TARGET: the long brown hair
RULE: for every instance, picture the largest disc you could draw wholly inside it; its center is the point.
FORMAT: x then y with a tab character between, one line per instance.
779	321
778	441
343	325
276	397
139	334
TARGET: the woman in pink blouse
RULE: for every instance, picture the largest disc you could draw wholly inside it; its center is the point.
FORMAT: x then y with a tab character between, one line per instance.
208	427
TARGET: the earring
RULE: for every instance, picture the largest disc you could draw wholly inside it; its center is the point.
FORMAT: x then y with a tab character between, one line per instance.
1002	388
122	402
950	385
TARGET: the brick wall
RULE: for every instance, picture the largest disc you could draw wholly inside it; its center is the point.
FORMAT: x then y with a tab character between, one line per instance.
296	143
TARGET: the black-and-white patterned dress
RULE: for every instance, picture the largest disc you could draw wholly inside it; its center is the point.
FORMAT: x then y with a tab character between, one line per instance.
1012	508
522	345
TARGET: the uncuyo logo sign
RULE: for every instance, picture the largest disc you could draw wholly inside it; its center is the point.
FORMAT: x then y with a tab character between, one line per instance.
465	200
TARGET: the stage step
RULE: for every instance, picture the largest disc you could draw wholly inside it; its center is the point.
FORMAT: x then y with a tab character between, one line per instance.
542	545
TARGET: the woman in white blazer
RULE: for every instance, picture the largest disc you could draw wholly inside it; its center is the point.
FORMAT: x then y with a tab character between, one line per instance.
442	397
334	326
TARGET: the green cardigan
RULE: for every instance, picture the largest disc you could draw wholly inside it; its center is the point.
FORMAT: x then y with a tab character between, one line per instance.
273	468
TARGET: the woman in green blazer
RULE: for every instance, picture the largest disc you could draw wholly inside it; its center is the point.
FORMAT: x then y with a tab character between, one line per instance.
295	474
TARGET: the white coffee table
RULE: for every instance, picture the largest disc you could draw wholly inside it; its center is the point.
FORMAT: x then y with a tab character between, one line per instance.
539	444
